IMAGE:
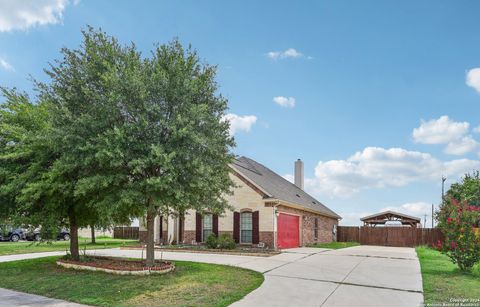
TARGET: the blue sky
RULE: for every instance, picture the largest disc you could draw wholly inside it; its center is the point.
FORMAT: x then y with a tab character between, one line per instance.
379	98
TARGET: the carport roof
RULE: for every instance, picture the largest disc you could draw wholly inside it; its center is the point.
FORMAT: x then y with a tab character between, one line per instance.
278	187
385	216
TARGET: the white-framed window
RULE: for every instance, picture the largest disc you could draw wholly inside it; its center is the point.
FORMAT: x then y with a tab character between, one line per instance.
207	226
246	226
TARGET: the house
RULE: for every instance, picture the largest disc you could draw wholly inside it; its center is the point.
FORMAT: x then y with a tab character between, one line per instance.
267	210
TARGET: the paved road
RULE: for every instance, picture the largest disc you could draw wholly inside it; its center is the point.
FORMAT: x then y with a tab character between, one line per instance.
357	276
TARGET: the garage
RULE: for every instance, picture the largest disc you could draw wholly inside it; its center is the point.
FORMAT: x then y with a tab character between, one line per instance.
288	231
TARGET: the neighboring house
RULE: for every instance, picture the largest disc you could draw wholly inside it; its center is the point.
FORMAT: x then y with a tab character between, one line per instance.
268	209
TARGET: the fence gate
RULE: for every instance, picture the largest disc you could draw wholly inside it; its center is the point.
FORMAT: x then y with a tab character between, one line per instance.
388	236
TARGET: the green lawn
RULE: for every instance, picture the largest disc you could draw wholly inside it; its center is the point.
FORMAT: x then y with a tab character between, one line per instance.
335	245
442	280
191	284
10	248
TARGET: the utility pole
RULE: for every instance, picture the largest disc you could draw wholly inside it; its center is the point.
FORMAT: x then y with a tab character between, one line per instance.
443	188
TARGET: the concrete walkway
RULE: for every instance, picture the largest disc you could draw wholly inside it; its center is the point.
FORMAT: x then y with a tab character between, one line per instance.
29	256
14	298
356	276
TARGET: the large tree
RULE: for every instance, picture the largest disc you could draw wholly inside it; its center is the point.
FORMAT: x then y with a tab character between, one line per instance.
170	151
37	187
138	135
129	136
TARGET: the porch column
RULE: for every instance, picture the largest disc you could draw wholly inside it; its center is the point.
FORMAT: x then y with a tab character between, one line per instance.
156	235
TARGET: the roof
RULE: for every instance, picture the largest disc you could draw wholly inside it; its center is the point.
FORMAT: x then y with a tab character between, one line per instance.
389	212
278	187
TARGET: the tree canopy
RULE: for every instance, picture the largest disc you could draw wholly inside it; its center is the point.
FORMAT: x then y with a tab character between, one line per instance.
125	136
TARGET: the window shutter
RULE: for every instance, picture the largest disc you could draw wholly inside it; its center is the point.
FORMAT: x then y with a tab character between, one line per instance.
255	230
198	227
161	227
215	224
236	227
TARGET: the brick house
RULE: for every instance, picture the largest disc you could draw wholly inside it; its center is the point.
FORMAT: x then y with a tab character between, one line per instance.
268	210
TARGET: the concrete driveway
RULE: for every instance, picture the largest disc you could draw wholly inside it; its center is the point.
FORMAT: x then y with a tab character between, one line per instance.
356	276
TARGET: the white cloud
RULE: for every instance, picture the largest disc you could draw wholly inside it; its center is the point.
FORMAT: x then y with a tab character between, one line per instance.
289	53
417	209
462	146
446	131
376	167
473	79
24	14
476	129
352	218
5	65
240	123
440	131
287	102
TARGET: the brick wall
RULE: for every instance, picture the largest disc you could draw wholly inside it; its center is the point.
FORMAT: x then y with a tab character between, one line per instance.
188	236
267	238
307	223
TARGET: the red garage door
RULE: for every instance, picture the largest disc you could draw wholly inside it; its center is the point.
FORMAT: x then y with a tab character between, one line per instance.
287	231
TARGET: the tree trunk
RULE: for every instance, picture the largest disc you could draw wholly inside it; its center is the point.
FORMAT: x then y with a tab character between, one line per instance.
73	235
150	238
93	234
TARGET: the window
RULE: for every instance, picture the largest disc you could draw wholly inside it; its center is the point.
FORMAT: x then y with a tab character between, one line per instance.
246	227
315	229
207	226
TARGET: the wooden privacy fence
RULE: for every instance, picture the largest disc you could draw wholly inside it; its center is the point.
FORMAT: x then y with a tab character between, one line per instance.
124	232
390	236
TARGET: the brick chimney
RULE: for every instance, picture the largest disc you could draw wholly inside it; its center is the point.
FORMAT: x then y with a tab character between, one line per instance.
299	173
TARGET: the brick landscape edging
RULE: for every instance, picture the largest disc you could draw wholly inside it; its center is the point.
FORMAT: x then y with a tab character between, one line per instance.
118	272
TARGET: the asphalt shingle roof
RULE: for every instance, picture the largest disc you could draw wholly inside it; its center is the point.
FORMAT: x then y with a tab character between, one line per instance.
279	187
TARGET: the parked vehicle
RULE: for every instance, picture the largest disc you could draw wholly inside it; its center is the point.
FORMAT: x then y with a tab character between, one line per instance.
10	233
35	235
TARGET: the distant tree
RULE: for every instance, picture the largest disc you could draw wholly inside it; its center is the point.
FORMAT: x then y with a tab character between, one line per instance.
36	187
25	156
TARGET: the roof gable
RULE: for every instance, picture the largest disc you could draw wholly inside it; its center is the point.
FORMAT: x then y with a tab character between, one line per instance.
278	187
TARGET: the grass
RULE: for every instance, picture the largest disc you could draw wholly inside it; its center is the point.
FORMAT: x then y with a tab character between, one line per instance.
442	280
335	245
191	284
11	248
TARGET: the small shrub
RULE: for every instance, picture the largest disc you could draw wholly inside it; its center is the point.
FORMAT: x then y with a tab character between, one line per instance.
226	242
211	241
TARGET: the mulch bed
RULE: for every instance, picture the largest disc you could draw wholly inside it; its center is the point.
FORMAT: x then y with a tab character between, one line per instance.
119	264
189	249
